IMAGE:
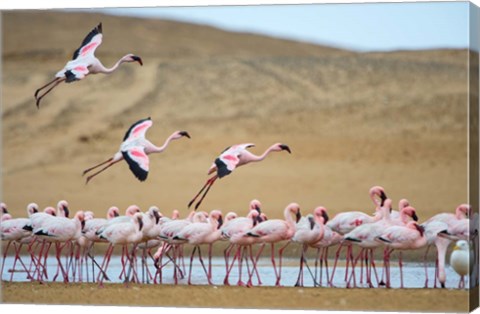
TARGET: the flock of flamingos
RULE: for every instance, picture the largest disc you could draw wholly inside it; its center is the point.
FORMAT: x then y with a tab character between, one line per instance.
151	239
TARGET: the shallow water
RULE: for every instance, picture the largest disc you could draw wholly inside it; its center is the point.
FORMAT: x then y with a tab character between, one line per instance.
413	273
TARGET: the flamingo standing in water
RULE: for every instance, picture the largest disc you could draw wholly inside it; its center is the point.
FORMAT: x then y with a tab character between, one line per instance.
11	230
135	149
231	158
276	230
83	63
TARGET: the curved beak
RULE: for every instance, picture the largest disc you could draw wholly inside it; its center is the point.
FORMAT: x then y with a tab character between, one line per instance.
140	223
285	147
137	59
312	222
257	208
185	133
298	215
220	221
157	217
383	197
116	214
325	217
67	212
414	216
83	224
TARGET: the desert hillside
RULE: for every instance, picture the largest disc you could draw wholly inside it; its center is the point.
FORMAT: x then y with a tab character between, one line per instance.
352	120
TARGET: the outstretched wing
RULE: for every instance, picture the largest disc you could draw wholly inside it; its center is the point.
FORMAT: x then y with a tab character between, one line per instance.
138	129
138	161
90	43
229	159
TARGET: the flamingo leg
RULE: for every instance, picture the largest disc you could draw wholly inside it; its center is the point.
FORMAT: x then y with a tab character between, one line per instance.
96	166
191	262
111	163
56	82
5	257
280	253
254	266
207	185
337	255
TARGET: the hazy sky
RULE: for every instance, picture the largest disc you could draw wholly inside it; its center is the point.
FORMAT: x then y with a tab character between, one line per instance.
363	27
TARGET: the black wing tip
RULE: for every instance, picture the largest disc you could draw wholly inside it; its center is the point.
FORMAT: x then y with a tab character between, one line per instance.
222	169
127	134
139	173
99	28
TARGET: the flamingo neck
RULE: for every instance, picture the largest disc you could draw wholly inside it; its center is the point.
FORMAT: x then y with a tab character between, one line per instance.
157	149
114	67
264	155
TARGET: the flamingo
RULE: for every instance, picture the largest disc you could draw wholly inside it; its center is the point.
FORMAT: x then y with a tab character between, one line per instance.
276	230
5	214
345	222
84	63
231	158
460	260
123	233
198	233
309	230
11	230
438	225
330	238
135	149
407	237
60	230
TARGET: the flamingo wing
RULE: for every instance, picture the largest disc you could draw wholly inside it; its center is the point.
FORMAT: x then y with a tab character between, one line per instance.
230	158
138	161
89	43
138	129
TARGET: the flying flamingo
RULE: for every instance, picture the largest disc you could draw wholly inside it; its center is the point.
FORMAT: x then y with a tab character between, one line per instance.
231	158
83	63
276	230
135	148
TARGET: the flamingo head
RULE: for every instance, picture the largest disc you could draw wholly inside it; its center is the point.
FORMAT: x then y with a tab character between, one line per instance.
321	212
154	213
50	211
62	207
32	208
216	215
230	216
175	214
113	212
410	211
403	203
378	191
295	208
279	147
4	208
464	210
180	134
132	210
256	206
80	216
133	58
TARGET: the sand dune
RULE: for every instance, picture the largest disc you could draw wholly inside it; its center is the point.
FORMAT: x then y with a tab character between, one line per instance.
352	120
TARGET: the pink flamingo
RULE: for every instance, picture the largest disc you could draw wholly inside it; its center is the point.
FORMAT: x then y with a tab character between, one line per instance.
5	214
309	230
436	225
135	149
122	233
407	237
198	233
11	230
84	63
276	230
364	236
345	222
61	231
231	158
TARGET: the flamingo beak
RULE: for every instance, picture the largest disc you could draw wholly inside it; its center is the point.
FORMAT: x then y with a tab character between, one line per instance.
157	216
115	214
325	217
298	215
414	216
83	224
285	147
184	133
220	222
67	212
383	197
140	223
257	208
137	59
312	222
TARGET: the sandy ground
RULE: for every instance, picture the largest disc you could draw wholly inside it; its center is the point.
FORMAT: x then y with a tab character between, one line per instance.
429	300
